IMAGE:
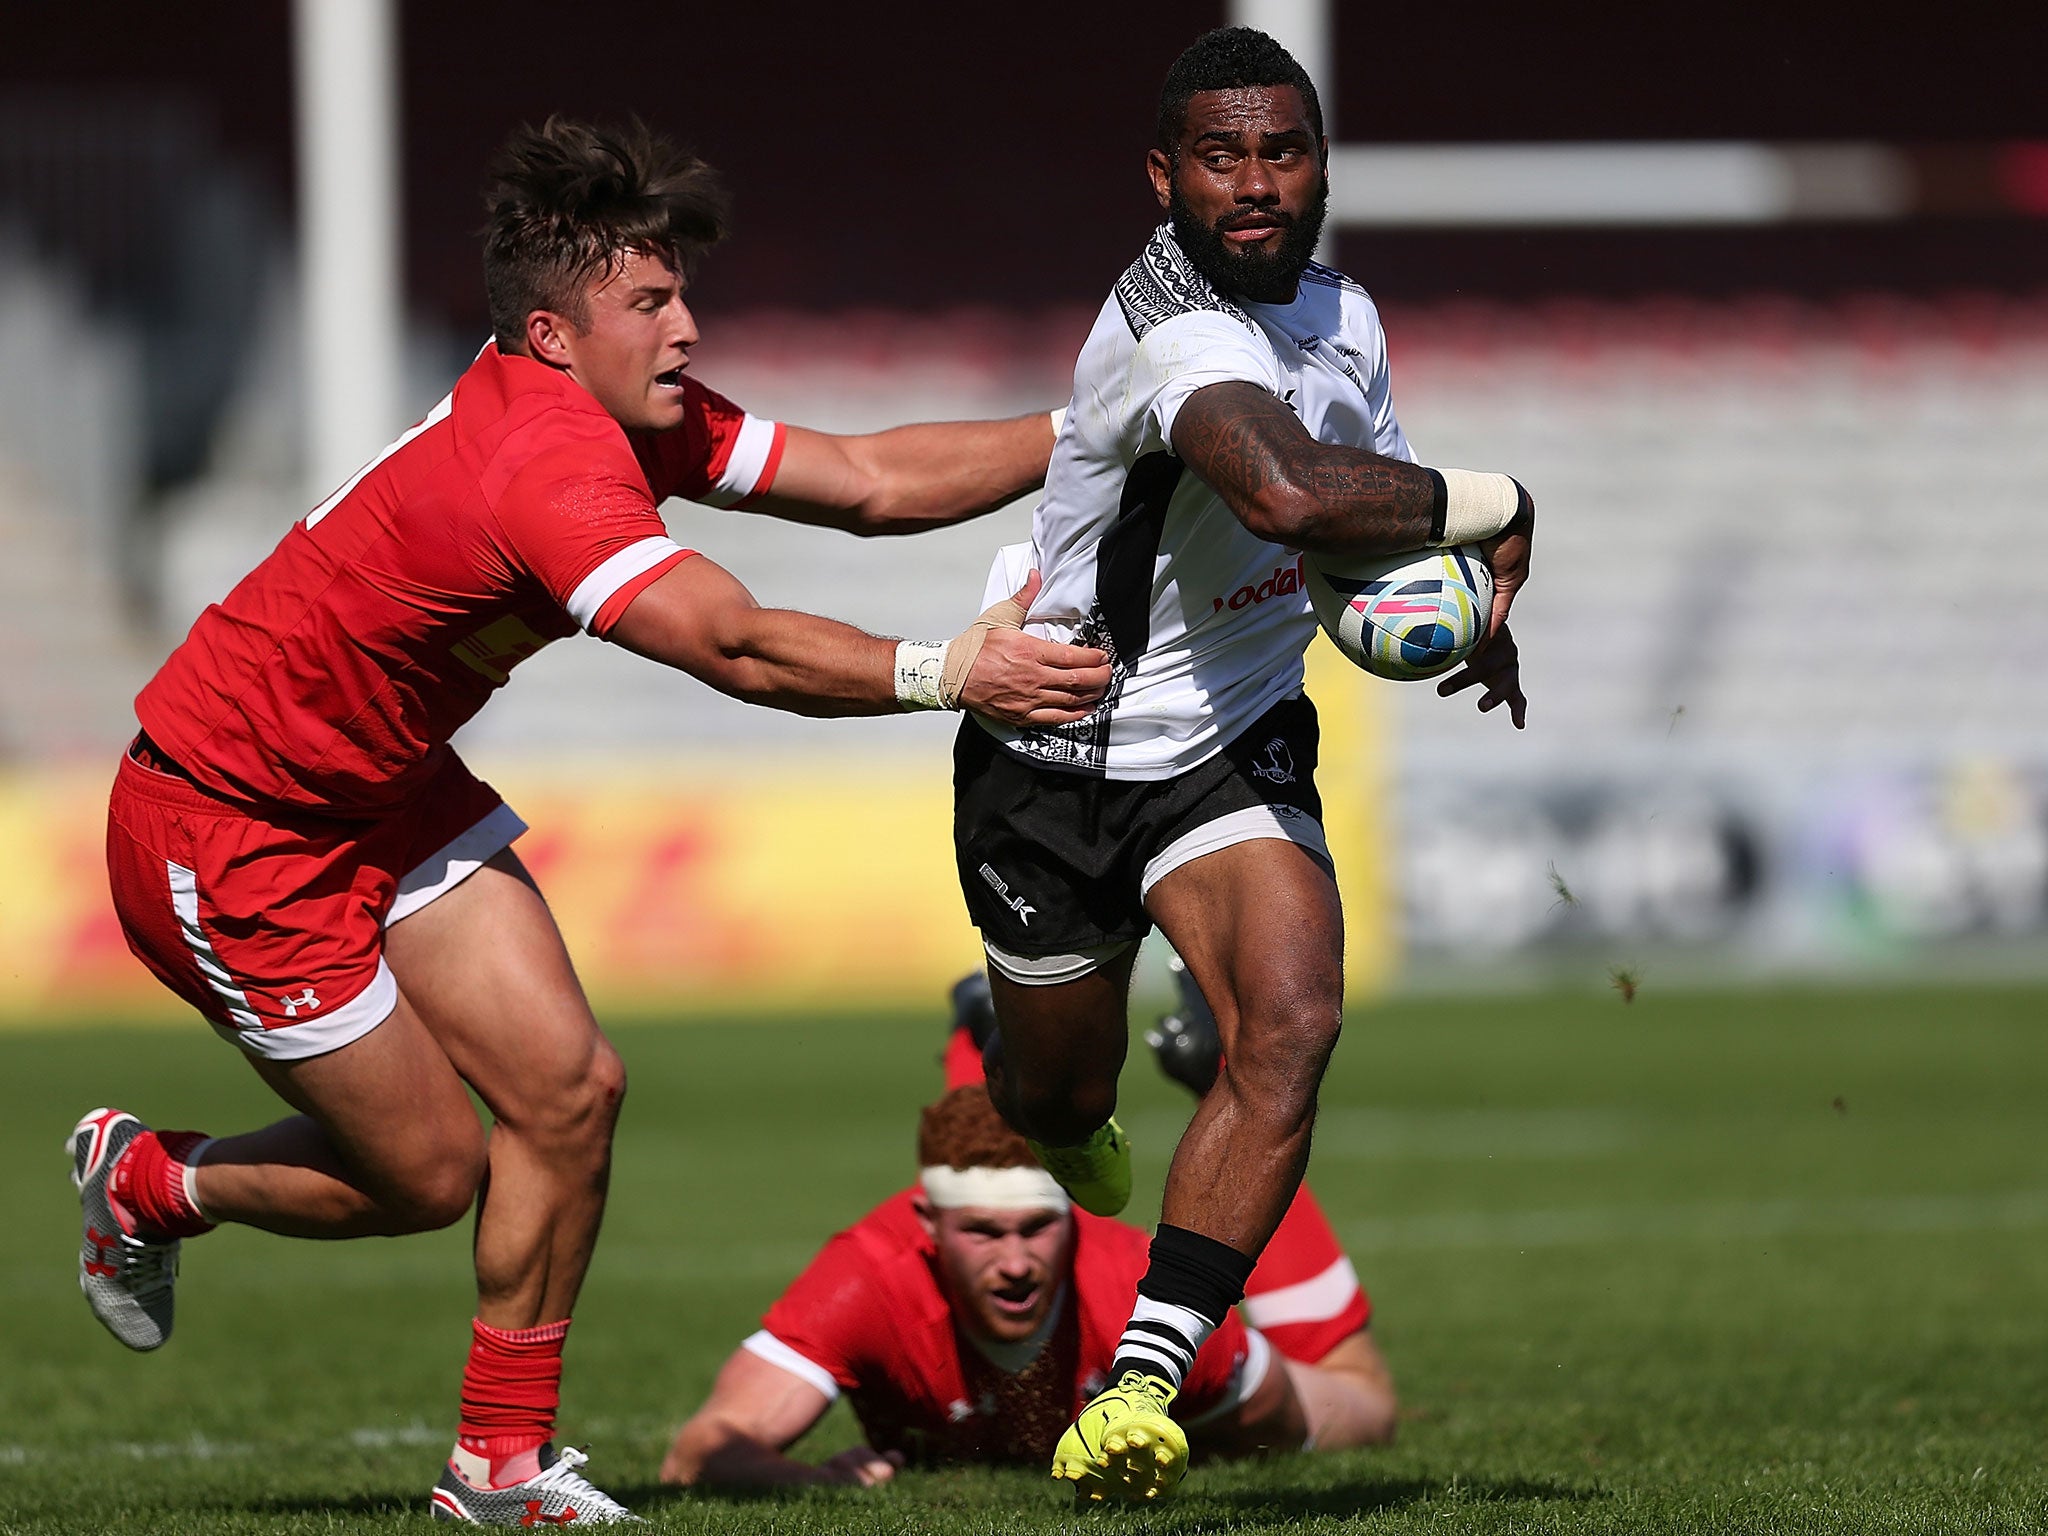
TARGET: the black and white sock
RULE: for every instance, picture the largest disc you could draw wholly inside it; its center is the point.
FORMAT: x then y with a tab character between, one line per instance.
1191	1285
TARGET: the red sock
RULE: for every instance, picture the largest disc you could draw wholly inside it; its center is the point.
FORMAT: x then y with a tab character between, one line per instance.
963	1061
152	1186
510	1391
1304	1296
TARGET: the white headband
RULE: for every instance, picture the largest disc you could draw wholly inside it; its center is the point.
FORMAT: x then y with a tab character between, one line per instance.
993	1189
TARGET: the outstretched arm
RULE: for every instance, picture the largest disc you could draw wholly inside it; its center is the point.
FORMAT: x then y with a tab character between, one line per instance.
698	618
1348	1395
908	478
1345	1399
755	1413
1271	1417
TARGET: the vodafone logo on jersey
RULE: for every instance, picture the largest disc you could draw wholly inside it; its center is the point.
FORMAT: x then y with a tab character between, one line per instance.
1284	582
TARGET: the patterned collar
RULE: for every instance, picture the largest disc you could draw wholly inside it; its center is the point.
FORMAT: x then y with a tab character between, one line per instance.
1163	283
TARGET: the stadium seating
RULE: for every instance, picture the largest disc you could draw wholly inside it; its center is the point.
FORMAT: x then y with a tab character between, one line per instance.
1788	590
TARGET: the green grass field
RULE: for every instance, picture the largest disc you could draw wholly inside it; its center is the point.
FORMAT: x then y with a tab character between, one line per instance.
1704	1263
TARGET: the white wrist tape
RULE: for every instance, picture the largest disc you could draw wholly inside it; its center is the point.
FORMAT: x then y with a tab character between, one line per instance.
1477	505
1059	419
992	1189
920	666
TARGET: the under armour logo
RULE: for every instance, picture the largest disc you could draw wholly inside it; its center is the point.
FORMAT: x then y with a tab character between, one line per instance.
533	1516
307	1001
1275	763
101	1242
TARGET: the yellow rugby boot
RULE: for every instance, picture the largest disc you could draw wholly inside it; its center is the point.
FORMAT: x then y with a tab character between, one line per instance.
1097	1173
1123	1449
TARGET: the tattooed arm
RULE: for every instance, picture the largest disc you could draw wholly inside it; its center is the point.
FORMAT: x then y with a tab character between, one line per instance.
1287	487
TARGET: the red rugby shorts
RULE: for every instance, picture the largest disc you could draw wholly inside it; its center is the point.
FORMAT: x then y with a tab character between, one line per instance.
271	921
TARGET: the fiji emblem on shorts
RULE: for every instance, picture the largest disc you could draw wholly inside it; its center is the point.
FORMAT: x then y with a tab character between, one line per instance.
1274	764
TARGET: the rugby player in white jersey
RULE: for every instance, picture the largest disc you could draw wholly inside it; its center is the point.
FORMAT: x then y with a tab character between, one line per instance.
1231	411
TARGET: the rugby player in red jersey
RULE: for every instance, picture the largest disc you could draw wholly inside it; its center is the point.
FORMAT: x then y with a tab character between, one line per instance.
295	851
970	1317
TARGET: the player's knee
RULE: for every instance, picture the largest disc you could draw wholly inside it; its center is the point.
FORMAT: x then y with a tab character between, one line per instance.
574	1117
603	1089
1284	1041
442	1188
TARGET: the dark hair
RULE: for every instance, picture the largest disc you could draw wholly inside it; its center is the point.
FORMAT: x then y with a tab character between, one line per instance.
1223	60
963	1130
569	200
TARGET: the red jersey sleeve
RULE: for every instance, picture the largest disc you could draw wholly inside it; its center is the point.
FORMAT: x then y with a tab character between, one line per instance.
720	455
817	1328
578	517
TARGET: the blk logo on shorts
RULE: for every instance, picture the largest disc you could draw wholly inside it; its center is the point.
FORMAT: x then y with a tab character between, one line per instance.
1001	887
1275	764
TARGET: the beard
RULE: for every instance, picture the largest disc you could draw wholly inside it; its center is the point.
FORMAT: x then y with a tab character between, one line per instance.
1261	276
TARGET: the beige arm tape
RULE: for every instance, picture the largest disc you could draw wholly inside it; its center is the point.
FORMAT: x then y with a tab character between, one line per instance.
1476	505
965	646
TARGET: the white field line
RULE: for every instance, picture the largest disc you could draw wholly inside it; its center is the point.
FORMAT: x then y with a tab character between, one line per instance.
1351	1133
193	1448
415	1433
1471	1135
199	1448
1719	1222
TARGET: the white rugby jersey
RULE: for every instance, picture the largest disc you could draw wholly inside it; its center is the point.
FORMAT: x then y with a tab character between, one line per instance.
1204	621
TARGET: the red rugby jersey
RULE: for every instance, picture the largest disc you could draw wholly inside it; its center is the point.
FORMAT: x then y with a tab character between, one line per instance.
869	1317
516	512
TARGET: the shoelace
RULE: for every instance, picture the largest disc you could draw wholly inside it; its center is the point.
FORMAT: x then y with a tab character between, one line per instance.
1136	1383
147	1269
564	1477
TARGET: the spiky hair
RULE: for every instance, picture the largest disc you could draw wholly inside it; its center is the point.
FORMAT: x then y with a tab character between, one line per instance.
569	200
963	1130
1223	60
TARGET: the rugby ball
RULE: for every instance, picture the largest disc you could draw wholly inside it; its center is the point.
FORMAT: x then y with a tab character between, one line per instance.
1403	616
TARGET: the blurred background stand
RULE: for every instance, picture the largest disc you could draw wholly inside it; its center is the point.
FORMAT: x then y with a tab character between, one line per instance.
1758	314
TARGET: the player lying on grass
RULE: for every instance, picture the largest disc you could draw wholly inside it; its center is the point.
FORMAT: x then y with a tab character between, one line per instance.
297	853
1231	408
987	1278
969	1317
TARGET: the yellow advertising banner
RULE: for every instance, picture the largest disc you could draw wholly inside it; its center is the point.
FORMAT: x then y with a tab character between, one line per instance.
684	886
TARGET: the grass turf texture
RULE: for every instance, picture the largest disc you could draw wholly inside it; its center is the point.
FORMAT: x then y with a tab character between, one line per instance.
1742	1263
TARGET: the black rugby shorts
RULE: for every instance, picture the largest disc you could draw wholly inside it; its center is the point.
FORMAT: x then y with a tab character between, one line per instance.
1053	861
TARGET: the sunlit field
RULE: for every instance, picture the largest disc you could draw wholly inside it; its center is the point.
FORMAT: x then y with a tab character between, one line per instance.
1699	1263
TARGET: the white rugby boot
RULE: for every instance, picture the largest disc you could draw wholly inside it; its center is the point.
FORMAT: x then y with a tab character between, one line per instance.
557	1495
127	1279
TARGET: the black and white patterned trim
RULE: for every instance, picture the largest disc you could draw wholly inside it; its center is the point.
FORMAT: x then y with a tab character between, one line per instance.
1316	272
1120	618
1163	283
1082	744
